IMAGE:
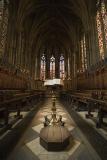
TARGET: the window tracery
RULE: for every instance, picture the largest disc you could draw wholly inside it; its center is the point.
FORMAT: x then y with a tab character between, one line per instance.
3	25
43	67
100	35
83	54
62	68
52	67
104	18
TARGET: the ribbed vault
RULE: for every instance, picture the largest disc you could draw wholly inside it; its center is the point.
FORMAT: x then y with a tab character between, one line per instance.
51	21
51	24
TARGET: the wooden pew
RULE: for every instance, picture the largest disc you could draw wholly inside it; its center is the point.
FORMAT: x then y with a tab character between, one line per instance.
92	102
16	104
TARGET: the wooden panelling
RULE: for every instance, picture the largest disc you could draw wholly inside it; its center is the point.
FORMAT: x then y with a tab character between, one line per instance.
8	81
94	80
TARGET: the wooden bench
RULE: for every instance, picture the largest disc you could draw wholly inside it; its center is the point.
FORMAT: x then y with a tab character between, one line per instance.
17	104
92	100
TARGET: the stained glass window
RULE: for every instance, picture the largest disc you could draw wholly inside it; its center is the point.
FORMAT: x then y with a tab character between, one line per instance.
104	18
62	68
52	67
1	14
68	68
82	55
98	2
100	35
3	26
85	53
43	67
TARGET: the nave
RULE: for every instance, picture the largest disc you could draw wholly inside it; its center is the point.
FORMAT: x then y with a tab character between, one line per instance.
50	47
29	148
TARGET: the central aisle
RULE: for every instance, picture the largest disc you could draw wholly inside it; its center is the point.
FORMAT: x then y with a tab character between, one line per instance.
29	148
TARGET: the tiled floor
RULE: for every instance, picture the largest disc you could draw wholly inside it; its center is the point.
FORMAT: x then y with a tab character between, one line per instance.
91	121
29	148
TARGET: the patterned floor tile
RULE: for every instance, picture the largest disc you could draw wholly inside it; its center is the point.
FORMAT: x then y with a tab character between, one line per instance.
43	154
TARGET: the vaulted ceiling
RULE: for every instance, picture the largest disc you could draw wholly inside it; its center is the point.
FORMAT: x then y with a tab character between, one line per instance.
53	23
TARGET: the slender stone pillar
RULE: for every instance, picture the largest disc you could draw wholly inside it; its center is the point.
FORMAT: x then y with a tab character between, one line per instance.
47	67
57	59
38	68
66	67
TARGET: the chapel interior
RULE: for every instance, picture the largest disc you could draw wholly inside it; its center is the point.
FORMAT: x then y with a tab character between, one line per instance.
53	79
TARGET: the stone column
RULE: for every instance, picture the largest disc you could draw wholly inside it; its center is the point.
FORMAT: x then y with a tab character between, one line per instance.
38	68
66	67
14	50
18	49
47	67
11	46
22	50
88	50
70	66
57	61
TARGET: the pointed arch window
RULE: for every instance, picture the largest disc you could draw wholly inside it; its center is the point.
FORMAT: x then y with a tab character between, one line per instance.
82	56
43	67
4	15
52	67
1	11
85	52
104	19
100	35
62	68
68	69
